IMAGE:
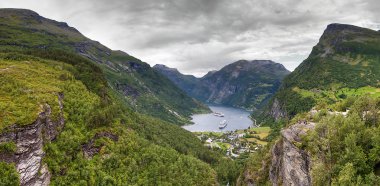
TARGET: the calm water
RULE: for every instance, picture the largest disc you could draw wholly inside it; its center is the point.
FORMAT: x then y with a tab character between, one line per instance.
237	119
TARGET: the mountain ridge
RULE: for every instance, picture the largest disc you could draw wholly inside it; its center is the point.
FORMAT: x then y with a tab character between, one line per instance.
64	118
346	56
135	82
229	85
326	115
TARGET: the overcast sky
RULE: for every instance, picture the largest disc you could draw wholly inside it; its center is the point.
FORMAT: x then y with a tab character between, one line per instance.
196	36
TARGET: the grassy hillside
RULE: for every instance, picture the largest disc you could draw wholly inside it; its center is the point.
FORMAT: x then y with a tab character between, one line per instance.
137	84
340	80
40	58
146	150
343	149
345	61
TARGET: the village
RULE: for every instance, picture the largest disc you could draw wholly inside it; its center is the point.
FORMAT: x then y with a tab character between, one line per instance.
236	143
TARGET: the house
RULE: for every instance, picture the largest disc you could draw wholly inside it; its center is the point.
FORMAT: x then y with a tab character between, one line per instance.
209	140
241	135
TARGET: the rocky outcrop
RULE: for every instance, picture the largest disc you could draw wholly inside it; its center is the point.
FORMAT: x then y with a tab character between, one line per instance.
90	149
276	110
127	90
291	165
29	140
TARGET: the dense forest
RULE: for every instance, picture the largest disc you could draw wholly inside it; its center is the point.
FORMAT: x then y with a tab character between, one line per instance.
129	147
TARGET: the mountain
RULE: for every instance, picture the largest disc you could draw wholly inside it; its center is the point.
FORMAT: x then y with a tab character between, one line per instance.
344	62
185	82
244	84
137	84
328	119
63	121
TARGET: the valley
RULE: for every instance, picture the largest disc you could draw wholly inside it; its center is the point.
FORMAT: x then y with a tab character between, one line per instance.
75	112
236	144
236	118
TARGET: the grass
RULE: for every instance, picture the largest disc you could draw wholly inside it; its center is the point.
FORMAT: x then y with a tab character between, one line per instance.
224	146
261	132
336	95
27	87
216	134
261	129
256	141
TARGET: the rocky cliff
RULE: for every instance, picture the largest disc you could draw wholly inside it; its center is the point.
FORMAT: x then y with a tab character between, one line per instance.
291	165
29	142
276	110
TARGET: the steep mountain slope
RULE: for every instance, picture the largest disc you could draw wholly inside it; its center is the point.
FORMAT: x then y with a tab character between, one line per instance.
245	84
344	62
62	121
136	82
185	82
323	148
331	102
55	130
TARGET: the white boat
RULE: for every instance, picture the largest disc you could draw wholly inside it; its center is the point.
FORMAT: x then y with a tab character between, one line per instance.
218	114
223	124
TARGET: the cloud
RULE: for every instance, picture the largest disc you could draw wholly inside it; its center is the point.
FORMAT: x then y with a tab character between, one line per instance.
200	35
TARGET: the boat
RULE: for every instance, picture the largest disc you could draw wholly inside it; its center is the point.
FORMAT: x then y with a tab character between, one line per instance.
218	114
223	124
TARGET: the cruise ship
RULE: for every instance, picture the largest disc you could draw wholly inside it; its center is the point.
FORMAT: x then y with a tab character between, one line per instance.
218	114
223	124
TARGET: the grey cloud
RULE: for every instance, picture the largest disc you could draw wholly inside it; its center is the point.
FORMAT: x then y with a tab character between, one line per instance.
200	35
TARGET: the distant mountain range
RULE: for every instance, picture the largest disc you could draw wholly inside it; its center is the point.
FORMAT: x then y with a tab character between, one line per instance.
244	84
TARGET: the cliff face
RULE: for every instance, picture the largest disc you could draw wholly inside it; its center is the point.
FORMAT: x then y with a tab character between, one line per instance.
29	141
291	165
276	110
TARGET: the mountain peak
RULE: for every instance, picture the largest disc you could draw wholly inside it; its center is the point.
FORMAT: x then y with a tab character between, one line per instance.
262	61
28	17
257	64
339	27
344	29
336	37
164	67
17	12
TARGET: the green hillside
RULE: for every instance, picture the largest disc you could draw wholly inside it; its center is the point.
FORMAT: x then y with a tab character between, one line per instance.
139	86
327	113
346	61
103	141
29	83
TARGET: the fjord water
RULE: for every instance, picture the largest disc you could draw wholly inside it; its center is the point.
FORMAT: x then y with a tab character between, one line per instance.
237	119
